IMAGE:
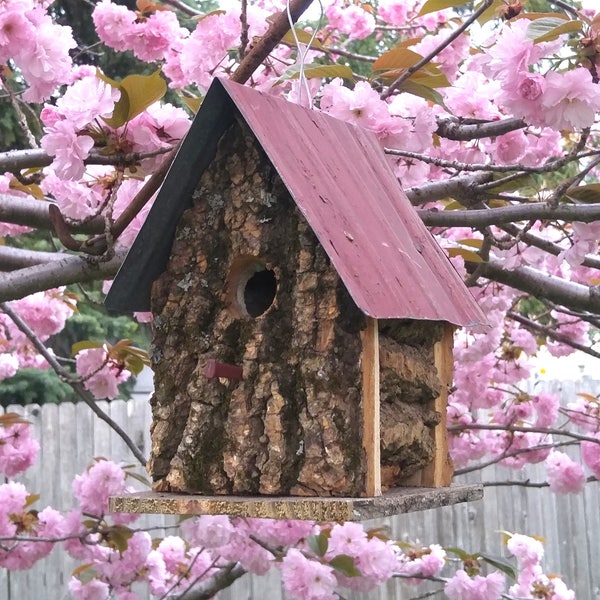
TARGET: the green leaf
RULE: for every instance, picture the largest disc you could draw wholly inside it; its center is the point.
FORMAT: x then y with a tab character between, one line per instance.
588	194
423	91
398	57
11	418
453	205
318	543
138	92
435	5
547	29
193	103
118	537
31	498
304	37
84	345
473	242
460	553
490	13
500	564
345	565
467	255
316	70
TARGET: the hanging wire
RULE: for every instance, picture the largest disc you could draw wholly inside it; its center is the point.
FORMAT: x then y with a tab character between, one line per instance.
301	57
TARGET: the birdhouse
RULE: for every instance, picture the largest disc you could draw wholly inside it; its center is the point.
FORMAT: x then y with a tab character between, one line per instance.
303	321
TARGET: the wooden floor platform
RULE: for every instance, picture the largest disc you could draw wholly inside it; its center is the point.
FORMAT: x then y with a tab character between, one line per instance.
392	502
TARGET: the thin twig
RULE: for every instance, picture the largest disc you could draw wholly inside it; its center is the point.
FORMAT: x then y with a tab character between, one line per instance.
75	384
426	59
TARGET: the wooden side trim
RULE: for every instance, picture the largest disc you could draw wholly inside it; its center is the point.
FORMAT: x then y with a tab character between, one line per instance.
439	472
370	403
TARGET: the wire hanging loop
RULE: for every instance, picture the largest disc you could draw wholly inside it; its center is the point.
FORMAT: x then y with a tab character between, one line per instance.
302	52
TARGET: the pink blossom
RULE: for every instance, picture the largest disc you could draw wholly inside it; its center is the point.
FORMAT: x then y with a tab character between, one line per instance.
347	538
584	241
590	454
92	590
450	57
85	100
114	24
305	579
44	60
585	412
207	46
76	199
208	531
564	475
463	103
423	562
377	560
281	533
360	106
546	407
18	450
352	20
8	367
571	100
68	148
151	39
522	95
534	584
101	374
393	12
527	550
463	587
93	487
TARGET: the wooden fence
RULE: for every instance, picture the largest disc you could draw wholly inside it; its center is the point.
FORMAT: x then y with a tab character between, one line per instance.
70	436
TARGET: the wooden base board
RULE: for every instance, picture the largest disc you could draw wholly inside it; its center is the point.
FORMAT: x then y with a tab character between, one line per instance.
392	502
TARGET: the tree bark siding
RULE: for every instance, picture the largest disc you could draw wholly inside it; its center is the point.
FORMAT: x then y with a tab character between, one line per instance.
294	424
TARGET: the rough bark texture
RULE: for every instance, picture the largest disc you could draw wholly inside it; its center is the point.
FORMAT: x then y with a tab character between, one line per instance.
408	389
293	425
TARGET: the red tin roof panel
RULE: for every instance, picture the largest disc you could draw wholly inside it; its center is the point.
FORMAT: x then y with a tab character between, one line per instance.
342	183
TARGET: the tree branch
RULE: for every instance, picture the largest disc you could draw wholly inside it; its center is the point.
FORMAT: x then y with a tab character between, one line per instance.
453	128
544	286
207	589
75	384
263	47
12	259
14	161
551	165
584	213
461	187
551	332
71	269
545	245
520	429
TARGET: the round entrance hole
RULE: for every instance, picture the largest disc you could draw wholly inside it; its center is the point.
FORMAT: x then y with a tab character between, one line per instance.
259	292
252	286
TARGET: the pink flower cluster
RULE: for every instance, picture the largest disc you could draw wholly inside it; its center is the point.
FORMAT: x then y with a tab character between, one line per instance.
17	520
464	587
45	313
37	46
18	450
531	581
101	374
563	101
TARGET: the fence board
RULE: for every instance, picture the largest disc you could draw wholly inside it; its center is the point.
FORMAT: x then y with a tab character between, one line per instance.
71	435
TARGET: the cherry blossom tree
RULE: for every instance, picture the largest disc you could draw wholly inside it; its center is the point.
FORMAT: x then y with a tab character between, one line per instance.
488	113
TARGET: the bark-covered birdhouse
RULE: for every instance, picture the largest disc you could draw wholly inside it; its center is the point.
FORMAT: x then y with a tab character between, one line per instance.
303	316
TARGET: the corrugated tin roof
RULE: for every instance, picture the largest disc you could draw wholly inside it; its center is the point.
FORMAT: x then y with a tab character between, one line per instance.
342	183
